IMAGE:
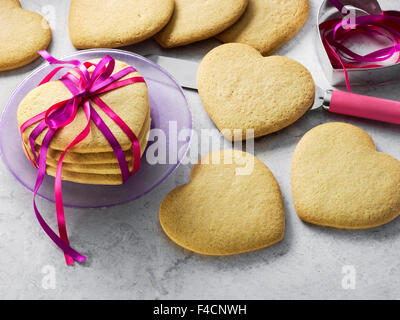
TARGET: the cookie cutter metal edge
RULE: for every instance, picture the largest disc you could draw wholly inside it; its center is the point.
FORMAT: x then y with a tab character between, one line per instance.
358	77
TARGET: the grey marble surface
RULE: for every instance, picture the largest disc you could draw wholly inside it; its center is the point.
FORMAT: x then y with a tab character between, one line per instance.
131	258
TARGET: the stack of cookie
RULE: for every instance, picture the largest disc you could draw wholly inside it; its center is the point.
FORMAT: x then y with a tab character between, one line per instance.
92	161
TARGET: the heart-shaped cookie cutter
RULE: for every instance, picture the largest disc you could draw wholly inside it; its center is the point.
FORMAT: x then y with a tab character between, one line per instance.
365	76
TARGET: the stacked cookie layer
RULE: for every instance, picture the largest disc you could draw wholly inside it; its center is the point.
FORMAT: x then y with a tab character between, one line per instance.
92	161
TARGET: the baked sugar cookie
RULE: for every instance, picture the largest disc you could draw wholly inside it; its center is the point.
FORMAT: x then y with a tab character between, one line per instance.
74	158
198	20
83	156
241	89
268	24
131	103
340	180
88	178
116	23
88	158
221	212
22	34
111	167
101	168
86	173
7	4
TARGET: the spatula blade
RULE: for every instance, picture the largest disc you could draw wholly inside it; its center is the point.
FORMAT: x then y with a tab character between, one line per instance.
184	71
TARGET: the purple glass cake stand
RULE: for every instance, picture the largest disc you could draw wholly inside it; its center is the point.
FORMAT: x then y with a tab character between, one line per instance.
167	103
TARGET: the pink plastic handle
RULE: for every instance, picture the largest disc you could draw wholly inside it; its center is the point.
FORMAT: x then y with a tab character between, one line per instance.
365	107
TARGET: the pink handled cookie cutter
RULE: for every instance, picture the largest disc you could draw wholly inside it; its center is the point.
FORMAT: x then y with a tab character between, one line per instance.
349	103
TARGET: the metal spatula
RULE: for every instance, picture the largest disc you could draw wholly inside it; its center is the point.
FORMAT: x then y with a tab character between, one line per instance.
332	100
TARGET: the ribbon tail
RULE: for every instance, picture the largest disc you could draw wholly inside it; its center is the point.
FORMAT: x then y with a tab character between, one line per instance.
58	184
61	243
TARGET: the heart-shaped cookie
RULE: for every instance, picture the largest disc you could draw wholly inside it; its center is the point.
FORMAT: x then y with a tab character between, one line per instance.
224	211
241	89
193	21
268	24
340	180
116	23
22	34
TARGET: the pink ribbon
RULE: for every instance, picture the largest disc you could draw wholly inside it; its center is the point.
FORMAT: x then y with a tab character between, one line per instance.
84	87
334	36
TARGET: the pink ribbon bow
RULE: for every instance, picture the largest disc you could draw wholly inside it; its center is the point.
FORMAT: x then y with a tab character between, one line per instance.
334	36
85	87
